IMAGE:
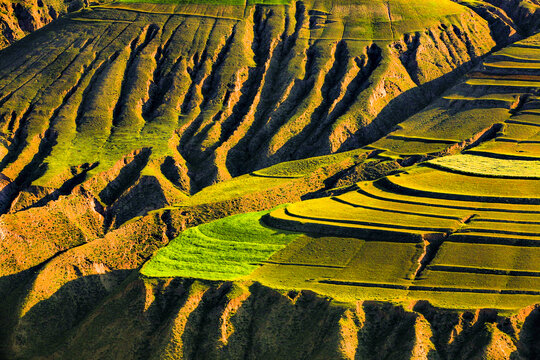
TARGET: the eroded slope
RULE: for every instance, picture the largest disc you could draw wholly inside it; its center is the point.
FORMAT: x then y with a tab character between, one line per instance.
460	231
141	106
121	110
18	18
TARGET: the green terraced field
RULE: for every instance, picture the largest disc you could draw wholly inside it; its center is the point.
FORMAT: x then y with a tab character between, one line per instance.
460	230
382	262
330	211
411	146
380	253
283	219
401	138
474	259
318	252
300	168
470	109
520	132
381	240
488	282
508	150
211	2
487	257
221	250
488	202
427	182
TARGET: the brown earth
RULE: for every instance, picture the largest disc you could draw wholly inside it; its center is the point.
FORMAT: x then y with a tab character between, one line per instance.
182	319
18	18
73	239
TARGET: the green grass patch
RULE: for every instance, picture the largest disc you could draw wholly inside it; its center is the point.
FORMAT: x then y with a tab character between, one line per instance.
409	146
503	83
480	236
329	210
237	187
513	65
210	2
508	98
370	230
492	210
364	200
520	132
303	167
271	177
383	262
469	281
322	251
508	150
490	213
521	53
485	256
307	260
485	166
516	228
440	124
444	184
225	249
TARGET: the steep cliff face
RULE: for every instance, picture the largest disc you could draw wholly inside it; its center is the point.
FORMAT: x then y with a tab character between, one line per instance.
182	319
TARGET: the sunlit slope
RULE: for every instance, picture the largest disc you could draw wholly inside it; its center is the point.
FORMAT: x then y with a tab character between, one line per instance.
460	230
225	249
222	89
84	212
477	214
402	237
119	110
18	18
498	100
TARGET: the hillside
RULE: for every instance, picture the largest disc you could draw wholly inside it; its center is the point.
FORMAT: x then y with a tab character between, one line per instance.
18	18
380	158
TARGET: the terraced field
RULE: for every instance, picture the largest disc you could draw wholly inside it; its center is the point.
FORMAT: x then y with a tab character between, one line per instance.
499	97
460	230
221	250
142	145
475	215
223	89
460	233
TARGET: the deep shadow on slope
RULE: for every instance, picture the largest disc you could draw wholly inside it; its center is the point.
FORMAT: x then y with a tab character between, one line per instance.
189	319
405	105
201	350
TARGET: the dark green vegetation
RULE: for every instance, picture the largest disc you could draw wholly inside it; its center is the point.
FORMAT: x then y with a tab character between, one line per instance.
144	144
